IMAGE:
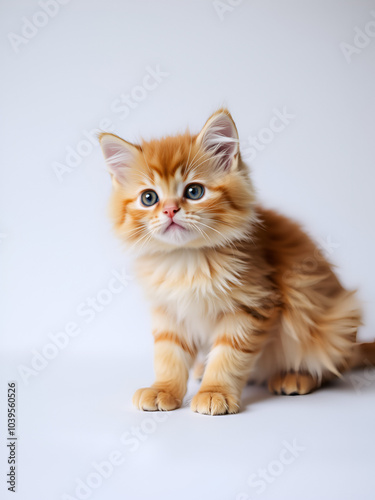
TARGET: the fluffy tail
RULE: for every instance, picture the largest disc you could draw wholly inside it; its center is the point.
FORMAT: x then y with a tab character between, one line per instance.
363	355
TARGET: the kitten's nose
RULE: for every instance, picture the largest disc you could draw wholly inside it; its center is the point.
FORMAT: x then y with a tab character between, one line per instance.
171	210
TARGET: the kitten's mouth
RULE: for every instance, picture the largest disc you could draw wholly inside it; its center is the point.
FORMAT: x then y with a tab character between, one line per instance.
173	226
175	233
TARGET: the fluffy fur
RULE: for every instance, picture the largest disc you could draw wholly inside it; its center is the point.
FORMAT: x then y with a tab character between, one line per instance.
234	284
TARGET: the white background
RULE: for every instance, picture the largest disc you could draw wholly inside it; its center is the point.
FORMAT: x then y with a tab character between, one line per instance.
57	247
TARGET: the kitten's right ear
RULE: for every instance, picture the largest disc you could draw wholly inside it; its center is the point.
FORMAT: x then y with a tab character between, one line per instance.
119	155
219	137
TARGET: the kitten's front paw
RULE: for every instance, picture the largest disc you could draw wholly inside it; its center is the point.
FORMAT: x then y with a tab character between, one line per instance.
214	403
151	399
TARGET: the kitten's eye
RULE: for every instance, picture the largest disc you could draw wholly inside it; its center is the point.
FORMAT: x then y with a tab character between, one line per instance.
194	191
149	198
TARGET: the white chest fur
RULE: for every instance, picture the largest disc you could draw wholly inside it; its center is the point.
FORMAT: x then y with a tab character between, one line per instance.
192	285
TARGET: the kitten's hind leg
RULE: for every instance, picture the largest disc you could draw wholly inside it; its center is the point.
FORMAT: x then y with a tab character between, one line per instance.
293	383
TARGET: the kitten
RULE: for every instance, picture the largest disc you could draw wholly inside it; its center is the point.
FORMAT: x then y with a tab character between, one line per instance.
240	285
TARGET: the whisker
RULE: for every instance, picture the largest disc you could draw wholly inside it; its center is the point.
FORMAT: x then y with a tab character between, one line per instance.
145	176
192	161
146	241
138	241
200	230
197	165
226	239
136	230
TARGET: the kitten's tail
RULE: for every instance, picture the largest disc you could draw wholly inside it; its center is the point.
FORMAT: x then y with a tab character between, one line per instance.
363	355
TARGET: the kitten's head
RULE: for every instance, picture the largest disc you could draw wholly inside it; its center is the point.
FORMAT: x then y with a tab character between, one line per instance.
183	191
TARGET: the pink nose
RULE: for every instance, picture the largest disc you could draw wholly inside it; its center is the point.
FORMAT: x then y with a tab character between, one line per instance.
171	210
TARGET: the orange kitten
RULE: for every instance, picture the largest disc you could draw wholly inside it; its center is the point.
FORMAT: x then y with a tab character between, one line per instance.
227	279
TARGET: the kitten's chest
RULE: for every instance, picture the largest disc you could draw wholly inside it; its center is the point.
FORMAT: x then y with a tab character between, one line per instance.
193	285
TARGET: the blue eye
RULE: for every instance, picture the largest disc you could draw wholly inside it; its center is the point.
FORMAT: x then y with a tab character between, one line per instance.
149	198
194	191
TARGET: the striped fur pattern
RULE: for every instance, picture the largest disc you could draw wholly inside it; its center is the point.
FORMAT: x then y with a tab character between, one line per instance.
237	289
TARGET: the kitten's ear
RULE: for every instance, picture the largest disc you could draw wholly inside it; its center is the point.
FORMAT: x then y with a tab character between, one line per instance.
119	155
220	138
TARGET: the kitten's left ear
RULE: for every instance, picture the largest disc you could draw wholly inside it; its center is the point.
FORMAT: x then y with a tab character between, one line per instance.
219	137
